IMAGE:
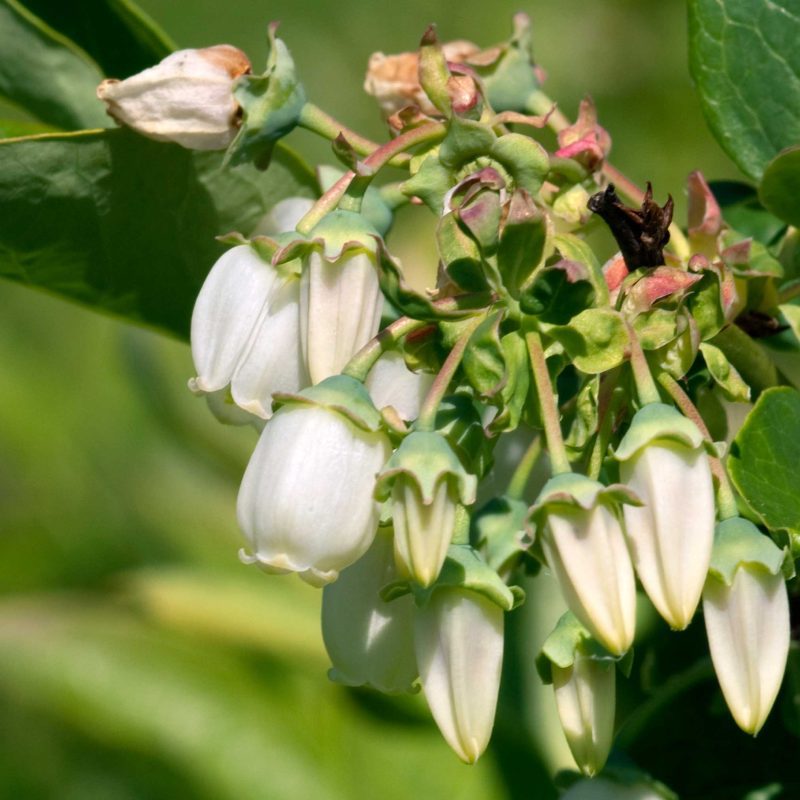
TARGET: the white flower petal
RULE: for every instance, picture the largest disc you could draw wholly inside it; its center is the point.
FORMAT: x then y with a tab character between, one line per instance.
370	642
459	644
233	299
340	311
586	551
391	383
672	535
305	503
748	635
283	216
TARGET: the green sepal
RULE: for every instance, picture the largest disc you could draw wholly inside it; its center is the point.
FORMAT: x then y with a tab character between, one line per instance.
376	210
596	340
433	72
567	640
511	80
658	422
427	459
465	141
338	233
484	362
339	393
460	255
525	159
498	529
579	491
459	420
430	183
465	569
271	106
739	543
525	241
725	374
413	303
513	396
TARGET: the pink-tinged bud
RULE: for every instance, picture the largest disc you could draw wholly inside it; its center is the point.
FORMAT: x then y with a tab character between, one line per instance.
459	644
746	610
187	98
664	462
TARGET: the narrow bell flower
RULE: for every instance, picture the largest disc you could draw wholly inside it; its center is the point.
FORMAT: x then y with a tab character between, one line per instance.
391	383
580	533
426	482
340	298
370	642
305	503
459	646
245	332
584	681
746	611
663	461
187	98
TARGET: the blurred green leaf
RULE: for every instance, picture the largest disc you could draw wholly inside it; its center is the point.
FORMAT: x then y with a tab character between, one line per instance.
779	190
117	34
45	73
123	684
764	458
126	224
742	210
744	59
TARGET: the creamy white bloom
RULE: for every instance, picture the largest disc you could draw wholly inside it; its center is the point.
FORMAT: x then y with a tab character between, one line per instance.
391	383
340	309
283	216
423	532
747	624
245	332
672	534
459	646
370	642
187	98
587	552
305	503
585	698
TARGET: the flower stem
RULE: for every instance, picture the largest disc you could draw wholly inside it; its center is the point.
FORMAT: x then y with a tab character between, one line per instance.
726	500
519	480
368	168
547	403
645	385
314	119
361	363
430	405
609	402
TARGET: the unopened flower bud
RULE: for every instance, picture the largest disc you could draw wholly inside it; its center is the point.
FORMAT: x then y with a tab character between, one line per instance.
305	503
746	610
187	98
581	536
663	460
459	645
426	482
246	332
370	642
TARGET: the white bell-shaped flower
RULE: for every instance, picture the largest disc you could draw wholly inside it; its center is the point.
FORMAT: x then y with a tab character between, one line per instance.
746	611
459	646
426	482
585	698
305	503
391	383
581	536
187	98
370	642
245	332
663	461
340	297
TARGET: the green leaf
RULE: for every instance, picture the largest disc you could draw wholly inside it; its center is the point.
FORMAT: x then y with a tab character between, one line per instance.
725	374
574	249
559	292
125	224
745	62
484	362
46	74
764	458
117	34
743	211
749	359
779	190
596	340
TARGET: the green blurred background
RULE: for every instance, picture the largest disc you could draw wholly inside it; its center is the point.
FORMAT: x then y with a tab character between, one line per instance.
138	658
